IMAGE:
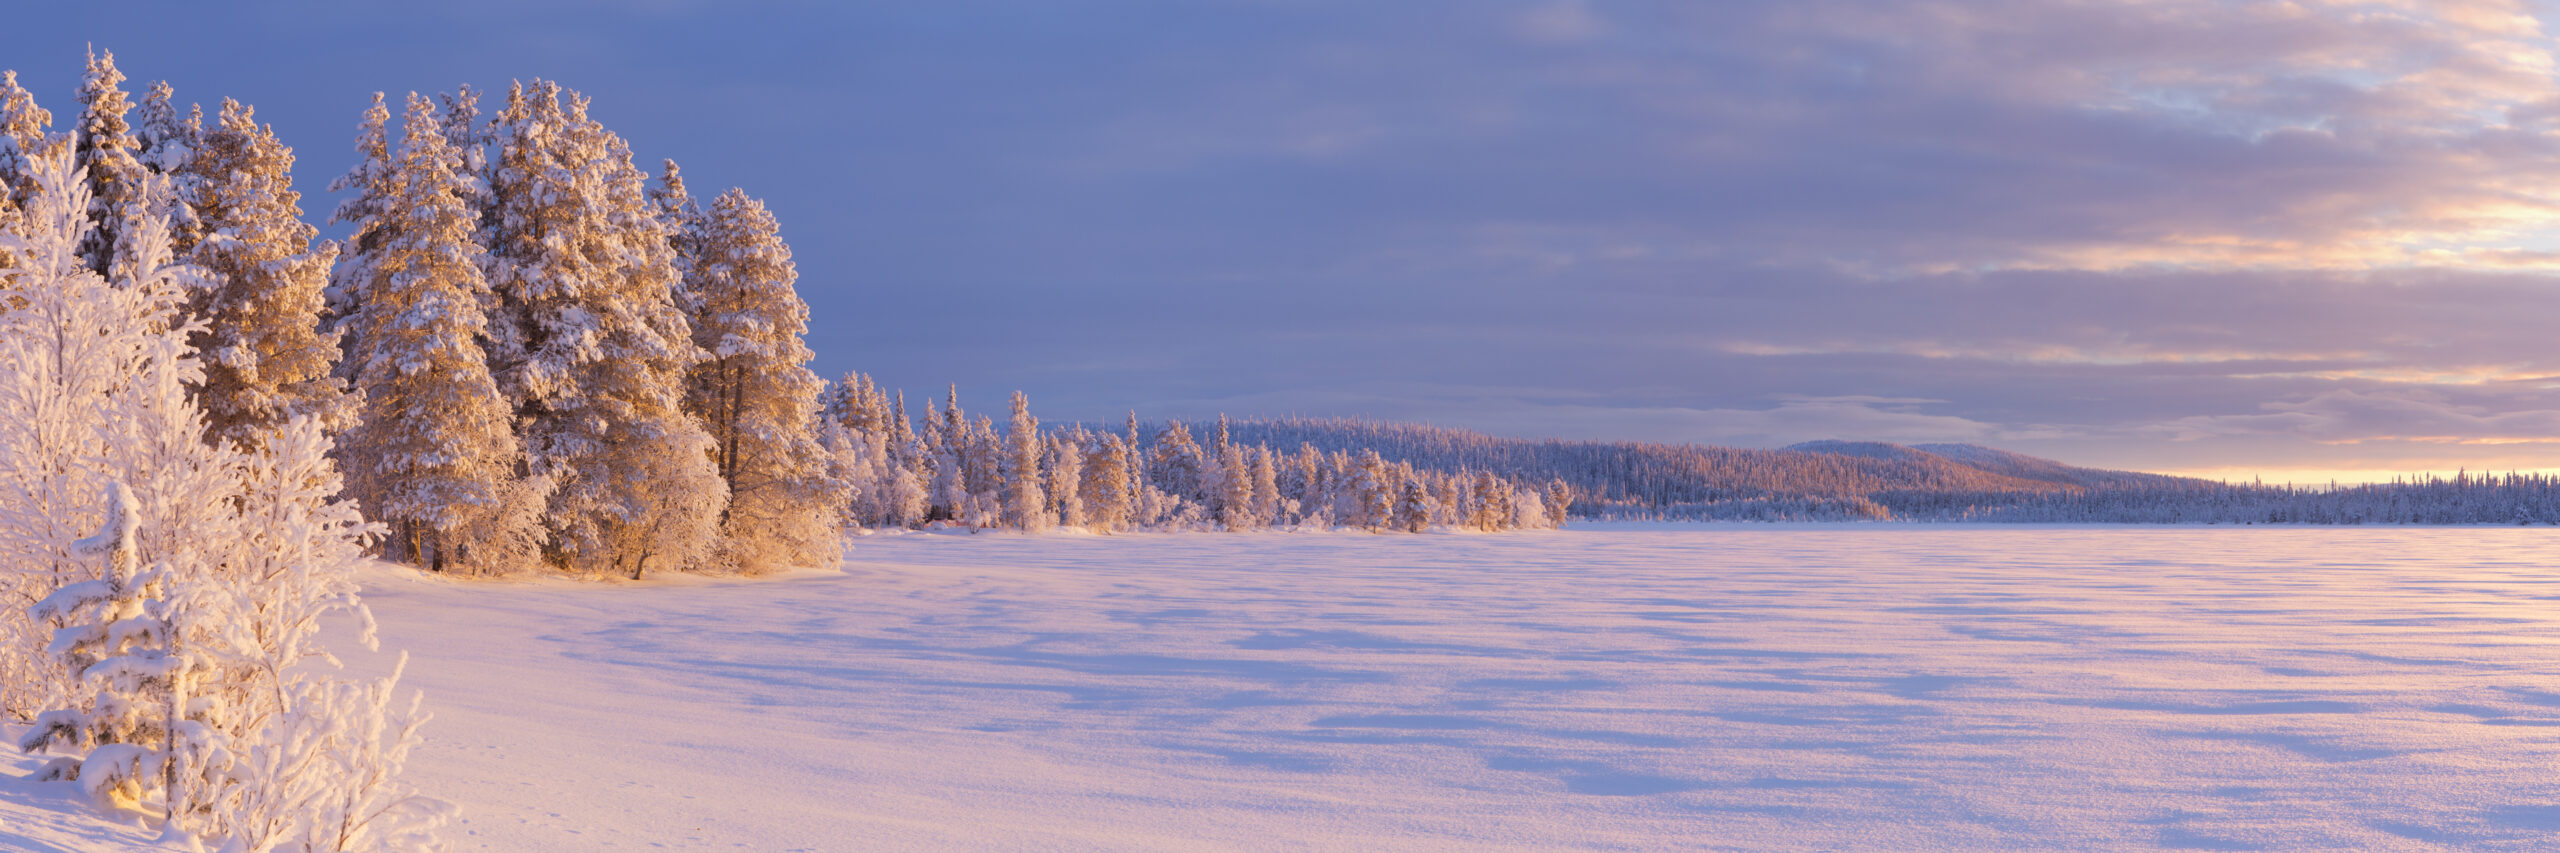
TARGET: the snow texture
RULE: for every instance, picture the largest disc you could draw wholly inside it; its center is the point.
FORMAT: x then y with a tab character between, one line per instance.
1763	687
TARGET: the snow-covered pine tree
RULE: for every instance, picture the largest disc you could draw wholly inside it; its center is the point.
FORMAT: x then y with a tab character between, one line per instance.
755	393
22	137
1267	504
1106	484
1175	465
1414	507
434	455
112	635
164	143
1137	466
1219	474
1528	510
1373	493
590	346
1489	504
1558	499
103	149
1235	486
683	217
267	360
1065	466
1025	502
986	459
369	185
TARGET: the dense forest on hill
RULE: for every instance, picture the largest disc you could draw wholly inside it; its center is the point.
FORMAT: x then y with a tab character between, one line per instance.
1845	480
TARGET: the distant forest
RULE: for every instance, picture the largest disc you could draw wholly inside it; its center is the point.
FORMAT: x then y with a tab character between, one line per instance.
1847	481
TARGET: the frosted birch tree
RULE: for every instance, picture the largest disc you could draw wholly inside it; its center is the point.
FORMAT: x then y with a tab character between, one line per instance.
182	634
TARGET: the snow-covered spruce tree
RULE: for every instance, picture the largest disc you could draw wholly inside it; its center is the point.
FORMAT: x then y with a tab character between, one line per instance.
267	360
984	456
1373	494
1025	503
434	455
1528	510
1106	484
1267	504
1064	461
1489	503
366	208
873	454
22	137
1558	499
103	149
114	632
1414	508
1235	487
165	143
1175	463
590	346
755	392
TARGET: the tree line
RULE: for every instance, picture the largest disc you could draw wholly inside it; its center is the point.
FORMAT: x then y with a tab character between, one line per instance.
530	352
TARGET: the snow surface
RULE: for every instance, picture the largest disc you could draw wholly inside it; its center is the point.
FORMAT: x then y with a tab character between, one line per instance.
1745	687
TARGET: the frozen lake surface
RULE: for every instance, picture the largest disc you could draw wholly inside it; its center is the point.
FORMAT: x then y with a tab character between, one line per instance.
1743	687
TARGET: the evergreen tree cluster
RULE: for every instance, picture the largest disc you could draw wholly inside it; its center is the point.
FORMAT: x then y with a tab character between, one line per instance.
531	353
962	471
1874	481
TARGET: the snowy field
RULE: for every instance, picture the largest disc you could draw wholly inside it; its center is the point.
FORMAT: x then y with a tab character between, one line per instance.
1742	687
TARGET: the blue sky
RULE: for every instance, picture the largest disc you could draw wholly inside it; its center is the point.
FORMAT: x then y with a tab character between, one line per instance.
2303	239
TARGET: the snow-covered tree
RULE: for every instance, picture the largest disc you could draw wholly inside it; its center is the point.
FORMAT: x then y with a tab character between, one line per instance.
1414	507
189	627
1372	493
1026	504
1064	463
369	186
1489	503
590	345
1528	510
1557	499
103	150
1266	506
22	138
267	360
1175	463
434	456
1235	489
1106	484
755	392
88	368
165	143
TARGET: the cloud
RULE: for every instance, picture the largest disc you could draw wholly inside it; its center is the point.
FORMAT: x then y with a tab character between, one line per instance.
2163	234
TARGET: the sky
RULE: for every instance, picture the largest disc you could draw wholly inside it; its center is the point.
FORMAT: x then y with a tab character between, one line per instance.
2295	240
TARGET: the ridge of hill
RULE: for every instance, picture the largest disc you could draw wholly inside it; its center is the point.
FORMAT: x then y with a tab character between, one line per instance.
1811	479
